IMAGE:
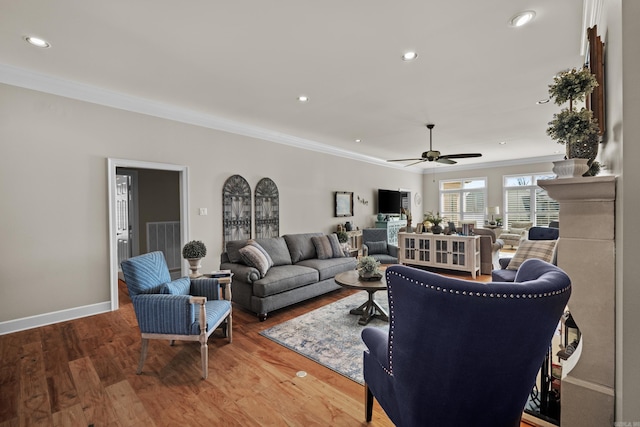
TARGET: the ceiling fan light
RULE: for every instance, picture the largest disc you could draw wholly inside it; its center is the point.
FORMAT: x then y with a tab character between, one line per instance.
522	18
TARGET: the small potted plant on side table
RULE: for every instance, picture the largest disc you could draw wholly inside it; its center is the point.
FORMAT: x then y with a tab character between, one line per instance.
193	252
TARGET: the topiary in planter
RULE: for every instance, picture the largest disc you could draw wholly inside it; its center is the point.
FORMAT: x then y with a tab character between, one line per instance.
194	249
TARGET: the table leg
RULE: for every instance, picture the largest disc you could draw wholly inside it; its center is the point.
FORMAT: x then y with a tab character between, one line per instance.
370	309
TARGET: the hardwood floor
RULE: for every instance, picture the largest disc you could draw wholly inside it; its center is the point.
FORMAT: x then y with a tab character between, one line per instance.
82	373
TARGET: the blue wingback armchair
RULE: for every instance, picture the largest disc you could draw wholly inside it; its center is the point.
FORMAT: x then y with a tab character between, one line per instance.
462	353
374	244
175	310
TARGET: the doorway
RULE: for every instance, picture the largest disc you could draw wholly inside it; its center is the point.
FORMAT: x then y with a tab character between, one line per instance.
127	236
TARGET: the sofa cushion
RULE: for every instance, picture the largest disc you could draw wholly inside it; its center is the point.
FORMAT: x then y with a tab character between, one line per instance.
300	246
328	268
180	286
323	247
541	249
255	256
327	246
336	247
377	247
277	249
283	278
233	248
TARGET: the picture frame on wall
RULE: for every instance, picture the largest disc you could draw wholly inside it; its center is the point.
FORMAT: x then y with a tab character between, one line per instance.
344	203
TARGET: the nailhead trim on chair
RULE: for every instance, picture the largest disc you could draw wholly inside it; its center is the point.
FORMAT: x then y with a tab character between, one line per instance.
451	291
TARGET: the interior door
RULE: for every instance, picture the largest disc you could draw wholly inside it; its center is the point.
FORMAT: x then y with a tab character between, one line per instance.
123	227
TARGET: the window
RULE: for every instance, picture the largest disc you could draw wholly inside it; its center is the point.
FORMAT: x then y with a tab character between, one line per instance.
525	201
463	200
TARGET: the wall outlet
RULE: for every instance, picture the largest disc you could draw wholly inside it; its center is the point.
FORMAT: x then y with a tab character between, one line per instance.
203	211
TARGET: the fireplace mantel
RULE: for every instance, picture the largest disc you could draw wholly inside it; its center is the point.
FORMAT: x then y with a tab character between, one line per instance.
586	251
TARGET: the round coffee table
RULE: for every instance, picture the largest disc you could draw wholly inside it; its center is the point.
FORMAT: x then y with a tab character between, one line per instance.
370	308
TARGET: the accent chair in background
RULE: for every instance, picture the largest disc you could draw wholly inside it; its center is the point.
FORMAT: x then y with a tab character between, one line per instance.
541	244
374	244
459	352
182	309
516	232
489	250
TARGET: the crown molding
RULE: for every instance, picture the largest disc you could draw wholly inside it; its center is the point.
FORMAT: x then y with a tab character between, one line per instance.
78	91
491	165
43	83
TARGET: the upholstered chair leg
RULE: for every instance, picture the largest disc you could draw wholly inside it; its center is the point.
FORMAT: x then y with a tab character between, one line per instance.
172	342
143	354
368	397
229	328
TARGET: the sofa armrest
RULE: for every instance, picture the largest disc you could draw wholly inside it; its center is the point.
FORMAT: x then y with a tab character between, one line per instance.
241	272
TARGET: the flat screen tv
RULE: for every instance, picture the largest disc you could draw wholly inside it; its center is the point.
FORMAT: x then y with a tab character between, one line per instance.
389	202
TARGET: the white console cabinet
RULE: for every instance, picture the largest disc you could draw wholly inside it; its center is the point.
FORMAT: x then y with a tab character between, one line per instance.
451	252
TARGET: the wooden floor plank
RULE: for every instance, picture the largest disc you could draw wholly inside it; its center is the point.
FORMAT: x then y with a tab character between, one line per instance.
97	408
130	411
34	409
72	416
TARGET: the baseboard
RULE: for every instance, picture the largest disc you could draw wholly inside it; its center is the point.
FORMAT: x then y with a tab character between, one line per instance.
24	323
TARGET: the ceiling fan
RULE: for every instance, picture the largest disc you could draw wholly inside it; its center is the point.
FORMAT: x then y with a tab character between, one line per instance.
435	156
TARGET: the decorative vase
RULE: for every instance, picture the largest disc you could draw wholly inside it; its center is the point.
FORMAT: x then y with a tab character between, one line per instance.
194	265
570	168
380	217
436	229
348	226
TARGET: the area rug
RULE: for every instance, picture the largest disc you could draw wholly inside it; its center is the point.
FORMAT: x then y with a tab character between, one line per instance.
330	335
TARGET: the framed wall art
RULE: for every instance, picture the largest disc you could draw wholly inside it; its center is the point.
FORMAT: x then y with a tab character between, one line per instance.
344	203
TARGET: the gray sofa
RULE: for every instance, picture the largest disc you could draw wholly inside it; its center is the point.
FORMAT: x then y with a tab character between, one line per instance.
297	272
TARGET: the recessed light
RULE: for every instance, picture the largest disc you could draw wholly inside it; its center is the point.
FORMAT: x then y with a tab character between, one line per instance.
409	56
502	142
358	140
37	42
303	98
522	18
543	101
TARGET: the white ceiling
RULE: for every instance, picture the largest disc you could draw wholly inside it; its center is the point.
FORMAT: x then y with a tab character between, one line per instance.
246	61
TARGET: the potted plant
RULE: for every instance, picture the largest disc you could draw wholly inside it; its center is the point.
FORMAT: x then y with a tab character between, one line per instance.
576	129
343	238
434	220
193	252
368	268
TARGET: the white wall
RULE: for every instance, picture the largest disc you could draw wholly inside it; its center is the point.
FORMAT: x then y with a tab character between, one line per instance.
53	185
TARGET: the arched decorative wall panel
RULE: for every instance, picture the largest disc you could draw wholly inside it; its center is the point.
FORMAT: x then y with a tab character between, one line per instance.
236	209
267	205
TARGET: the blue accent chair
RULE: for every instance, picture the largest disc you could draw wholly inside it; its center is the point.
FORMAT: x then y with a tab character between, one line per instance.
175	310
459	352
374	244
535	233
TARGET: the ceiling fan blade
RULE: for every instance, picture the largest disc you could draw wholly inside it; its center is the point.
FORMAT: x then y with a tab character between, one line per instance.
405	160
461	156
446	161
415	163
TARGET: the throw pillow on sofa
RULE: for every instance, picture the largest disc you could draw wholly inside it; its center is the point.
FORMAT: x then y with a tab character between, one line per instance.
541	249
255	256
377	247
327	246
